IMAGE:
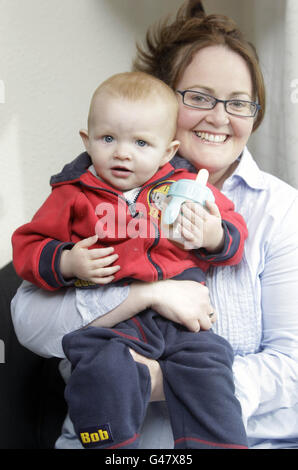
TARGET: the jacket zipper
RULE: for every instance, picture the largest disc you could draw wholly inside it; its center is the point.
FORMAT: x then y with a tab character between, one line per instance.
134	213
155	243
157	231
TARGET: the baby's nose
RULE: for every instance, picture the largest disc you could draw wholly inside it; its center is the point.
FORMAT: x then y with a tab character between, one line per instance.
122	152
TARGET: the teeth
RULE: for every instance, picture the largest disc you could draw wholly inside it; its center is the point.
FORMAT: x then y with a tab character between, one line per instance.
211	137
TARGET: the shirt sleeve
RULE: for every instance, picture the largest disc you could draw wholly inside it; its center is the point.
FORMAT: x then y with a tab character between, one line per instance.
41	318
268	380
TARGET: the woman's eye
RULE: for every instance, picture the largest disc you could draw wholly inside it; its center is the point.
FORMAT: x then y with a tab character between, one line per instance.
200	99
141	143
238	104
108	139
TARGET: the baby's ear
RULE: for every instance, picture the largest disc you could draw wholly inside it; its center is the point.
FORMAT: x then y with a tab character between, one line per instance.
170	151
85	138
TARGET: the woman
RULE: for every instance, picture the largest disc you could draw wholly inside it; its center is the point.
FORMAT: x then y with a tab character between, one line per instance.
221	96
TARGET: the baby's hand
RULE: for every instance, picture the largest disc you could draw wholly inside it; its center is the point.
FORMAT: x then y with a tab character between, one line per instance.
89	265
199	227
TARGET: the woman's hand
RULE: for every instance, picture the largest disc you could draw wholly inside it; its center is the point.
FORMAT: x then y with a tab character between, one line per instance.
157	392
183	302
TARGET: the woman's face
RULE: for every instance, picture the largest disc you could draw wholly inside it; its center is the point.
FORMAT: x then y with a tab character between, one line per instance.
214	139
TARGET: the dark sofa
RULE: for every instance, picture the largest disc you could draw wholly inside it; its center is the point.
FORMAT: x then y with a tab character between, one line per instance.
32	406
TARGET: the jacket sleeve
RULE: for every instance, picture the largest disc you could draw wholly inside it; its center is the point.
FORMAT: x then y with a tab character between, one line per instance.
37	245
235	234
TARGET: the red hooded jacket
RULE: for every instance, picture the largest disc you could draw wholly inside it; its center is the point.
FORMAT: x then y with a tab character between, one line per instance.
81	205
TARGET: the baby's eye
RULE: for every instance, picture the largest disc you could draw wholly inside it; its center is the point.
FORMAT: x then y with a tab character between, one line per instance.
141	143
108	139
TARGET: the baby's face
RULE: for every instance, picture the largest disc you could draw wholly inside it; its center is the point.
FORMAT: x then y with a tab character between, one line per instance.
128	141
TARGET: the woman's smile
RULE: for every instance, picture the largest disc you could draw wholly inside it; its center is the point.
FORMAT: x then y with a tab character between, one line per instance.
211	138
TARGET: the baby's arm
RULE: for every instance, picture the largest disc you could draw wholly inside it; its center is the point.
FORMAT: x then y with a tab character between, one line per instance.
92	265
39	245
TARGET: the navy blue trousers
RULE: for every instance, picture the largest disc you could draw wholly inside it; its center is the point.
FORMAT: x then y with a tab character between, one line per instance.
108	392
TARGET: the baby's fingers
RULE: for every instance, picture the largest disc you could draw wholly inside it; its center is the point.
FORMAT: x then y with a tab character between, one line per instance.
194	212
87	242
103	262
104	275
97	253
213	209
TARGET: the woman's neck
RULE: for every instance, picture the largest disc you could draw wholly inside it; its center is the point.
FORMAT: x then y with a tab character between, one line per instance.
217	179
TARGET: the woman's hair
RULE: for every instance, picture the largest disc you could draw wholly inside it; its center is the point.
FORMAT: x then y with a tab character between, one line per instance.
171	46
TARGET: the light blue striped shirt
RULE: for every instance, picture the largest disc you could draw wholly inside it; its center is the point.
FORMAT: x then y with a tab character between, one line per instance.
257	305
257	308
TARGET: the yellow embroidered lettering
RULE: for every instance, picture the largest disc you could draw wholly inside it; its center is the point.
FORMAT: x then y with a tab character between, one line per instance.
103	434
94	437
85	437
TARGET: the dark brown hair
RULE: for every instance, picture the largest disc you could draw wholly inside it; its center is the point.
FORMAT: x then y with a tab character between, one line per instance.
170	47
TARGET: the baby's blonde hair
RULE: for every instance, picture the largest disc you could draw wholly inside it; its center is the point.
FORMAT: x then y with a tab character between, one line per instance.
137	86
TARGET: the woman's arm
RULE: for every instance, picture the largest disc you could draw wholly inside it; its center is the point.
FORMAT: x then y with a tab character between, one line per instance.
41	318
183	302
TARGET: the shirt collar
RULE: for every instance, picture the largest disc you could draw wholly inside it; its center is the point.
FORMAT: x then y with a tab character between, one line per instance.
248	171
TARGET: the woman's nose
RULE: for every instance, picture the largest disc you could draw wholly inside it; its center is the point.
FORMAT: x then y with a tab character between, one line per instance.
218	115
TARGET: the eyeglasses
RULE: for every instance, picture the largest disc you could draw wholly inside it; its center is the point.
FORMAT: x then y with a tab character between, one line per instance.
196	99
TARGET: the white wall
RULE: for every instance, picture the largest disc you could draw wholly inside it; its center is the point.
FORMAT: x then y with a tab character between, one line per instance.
52	56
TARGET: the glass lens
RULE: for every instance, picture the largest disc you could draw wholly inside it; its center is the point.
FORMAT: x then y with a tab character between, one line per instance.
198	100
241	108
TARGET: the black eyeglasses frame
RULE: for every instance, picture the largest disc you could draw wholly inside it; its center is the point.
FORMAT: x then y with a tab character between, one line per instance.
216	100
